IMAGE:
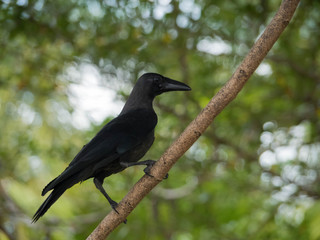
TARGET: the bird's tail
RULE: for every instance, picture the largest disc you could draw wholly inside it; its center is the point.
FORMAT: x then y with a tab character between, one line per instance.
54	195
58	190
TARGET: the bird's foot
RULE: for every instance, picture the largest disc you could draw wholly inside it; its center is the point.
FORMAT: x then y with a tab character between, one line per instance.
114	206
149	164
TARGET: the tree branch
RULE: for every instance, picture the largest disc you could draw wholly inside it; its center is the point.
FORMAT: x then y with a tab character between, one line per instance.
227	93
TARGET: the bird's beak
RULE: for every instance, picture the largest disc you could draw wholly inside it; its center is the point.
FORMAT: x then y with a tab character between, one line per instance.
173	85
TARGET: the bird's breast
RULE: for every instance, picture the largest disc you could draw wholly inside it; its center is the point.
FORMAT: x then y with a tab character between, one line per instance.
140	150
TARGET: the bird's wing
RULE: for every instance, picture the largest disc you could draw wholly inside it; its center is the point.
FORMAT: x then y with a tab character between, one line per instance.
116	138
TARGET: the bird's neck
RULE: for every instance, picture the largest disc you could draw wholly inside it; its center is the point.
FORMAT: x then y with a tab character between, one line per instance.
137	100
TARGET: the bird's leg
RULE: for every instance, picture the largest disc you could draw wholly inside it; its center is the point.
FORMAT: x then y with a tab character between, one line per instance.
149	164
99	186
98	182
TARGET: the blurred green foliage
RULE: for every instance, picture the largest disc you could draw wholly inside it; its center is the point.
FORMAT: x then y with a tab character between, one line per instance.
253	175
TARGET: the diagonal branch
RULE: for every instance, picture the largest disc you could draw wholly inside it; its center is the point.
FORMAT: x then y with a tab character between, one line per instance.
227	93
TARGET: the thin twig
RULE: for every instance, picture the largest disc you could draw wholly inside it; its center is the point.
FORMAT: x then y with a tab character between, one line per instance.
227	93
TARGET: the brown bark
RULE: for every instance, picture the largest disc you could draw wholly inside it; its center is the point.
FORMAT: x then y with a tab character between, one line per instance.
227	93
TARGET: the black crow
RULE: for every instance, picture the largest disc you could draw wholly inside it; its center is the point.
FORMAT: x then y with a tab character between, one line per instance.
119	144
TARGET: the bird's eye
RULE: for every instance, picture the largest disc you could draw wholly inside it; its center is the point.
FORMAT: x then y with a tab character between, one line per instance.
157	81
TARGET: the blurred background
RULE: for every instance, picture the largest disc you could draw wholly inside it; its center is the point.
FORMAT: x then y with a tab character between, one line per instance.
67	67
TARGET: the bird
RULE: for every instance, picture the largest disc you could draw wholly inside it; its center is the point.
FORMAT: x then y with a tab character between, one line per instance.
121	143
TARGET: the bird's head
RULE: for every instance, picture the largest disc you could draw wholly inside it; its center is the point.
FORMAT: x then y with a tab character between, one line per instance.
155	84
148	86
